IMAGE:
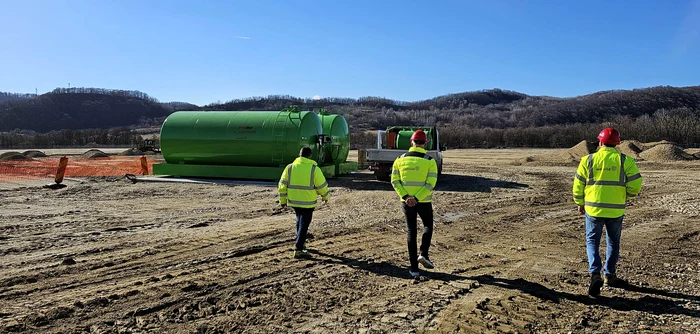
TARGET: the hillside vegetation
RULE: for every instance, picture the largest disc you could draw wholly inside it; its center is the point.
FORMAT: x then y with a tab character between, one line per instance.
79	108
471	119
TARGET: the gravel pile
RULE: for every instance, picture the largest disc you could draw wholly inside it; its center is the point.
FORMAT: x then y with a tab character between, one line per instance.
34	154
131	152
665	152
630	148
94	154
577	152
12	156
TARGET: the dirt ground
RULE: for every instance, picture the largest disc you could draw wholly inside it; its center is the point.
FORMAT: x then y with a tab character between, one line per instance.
105	255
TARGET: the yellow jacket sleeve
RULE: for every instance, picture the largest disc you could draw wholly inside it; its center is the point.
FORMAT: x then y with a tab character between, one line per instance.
430	182
580	181
634	178
396	180
282	186
321	185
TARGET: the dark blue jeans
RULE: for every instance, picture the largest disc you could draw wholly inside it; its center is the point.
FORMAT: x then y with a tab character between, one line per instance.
425	211
303	221
594	232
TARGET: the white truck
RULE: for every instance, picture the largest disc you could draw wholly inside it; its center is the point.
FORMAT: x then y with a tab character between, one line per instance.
395	141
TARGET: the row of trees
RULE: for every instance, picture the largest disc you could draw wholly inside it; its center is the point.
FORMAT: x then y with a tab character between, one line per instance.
14	96
681	126
104	91
450	101
70	138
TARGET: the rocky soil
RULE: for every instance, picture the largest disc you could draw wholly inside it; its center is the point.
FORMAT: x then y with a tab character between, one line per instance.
105	255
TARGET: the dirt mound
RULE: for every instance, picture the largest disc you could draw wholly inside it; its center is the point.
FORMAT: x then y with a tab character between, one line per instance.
34	154
629	148
131	152
693	151
650	145
665	152
575	153
571	156
580	150
12	156
94	154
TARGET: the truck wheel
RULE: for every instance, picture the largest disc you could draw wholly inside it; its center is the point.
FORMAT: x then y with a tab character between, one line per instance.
382	176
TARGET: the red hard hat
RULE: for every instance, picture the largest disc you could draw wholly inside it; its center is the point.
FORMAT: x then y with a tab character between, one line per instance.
609	136
419	135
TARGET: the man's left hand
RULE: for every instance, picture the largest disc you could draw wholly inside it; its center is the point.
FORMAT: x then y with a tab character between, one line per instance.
581	210
411	201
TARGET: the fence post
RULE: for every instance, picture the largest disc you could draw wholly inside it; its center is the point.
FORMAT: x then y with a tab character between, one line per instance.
61	169
144	166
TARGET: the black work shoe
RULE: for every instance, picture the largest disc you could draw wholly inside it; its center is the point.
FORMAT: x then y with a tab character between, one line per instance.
425	261
596	284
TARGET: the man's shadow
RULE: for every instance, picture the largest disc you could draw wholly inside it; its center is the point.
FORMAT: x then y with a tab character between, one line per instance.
446	182
467	183
647	304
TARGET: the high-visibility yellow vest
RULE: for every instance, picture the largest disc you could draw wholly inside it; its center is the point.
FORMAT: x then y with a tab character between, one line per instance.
414	174
603	182
300	184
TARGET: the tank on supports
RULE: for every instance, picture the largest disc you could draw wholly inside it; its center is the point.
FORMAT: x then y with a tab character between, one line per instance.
338	148
250	144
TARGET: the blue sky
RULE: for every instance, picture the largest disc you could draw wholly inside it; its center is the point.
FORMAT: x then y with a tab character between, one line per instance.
204	51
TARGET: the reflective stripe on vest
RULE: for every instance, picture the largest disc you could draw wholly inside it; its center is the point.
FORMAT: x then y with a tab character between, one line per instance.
417	154
301	202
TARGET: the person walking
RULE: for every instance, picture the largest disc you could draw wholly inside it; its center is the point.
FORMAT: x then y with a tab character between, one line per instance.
413	176
300	184
602	184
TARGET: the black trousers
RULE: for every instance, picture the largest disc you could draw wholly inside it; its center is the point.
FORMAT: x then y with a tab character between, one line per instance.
425	211
304	216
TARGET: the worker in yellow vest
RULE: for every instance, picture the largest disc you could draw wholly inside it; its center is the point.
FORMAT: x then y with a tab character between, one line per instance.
602	184
300	184
413	177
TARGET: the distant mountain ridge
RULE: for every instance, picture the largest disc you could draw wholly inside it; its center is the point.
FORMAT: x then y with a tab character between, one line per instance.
84	108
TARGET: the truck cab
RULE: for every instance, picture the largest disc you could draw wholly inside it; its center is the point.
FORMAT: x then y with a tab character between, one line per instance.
395	141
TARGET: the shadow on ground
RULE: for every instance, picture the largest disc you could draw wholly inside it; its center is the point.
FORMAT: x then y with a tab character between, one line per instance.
647	303
446	182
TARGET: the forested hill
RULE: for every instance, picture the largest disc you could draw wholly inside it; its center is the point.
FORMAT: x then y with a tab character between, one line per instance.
494	108
79	108
82	108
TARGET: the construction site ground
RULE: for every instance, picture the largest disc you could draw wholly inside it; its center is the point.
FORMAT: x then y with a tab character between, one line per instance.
105	255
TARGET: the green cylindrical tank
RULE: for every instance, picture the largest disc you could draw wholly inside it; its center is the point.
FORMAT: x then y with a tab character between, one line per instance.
240	138
403	140
336	127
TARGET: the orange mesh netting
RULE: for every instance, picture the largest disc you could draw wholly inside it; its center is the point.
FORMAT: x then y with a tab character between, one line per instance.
42	168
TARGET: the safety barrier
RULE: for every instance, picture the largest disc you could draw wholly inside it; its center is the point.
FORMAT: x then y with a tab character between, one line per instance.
50	167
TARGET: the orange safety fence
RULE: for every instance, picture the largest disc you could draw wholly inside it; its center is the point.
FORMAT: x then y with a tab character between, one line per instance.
42	168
